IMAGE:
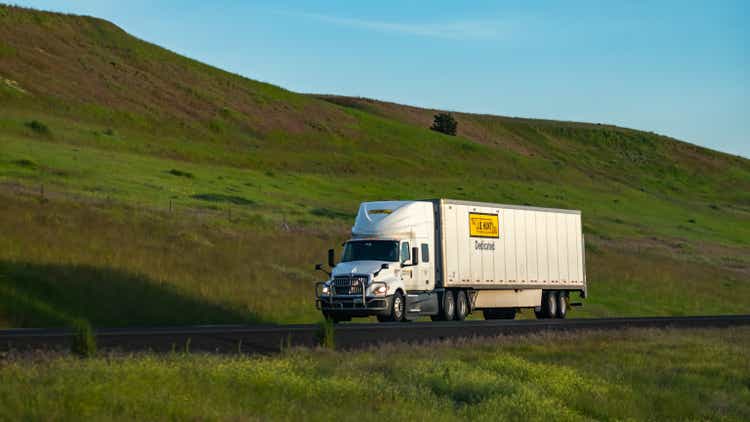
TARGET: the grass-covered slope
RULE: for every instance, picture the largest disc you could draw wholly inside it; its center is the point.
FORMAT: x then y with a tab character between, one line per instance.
141	187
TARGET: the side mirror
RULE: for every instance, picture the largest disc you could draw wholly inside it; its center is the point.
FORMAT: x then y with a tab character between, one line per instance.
414	256
331	258
382	267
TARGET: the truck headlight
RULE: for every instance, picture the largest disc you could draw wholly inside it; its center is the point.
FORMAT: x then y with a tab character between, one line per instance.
379	290
325	291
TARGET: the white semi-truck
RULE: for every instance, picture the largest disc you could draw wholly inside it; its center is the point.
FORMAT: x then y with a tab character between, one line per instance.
447	258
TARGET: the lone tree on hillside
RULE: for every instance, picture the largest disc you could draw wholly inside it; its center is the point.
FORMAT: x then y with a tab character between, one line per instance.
445	123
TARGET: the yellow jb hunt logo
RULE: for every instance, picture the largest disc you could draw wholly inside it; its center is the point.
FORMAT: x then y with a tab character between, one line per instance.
484	225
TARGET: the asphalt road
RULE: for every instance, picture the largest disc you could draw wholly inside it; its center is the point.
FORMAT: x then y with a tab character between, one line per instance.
273	338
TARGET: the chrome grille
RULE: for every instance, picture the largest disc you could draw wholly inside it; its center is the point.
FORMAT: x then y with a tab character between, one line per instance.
349	285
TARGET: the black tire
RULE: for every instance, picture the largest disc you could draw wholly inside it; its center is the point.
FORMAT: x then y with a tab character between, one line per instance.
448	310
398	308
462	306
549	306
499	313
562	305
551	302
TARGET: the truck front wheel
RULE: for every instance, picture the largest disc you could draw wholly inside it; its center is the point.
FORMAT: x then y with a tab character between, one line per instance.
398	305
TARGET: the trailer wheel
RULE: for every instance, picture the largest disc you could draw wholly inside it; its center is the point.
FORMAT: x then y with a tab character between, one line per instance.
462	306
551	302
562	305
549	306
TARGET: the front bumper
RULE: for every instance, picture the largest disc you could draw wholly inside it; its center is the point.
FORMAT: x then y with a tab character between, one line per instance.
348	304
352	305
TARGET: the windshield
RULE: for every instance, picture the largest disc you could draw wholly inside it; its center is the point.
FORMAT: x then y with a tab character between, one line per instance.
371	250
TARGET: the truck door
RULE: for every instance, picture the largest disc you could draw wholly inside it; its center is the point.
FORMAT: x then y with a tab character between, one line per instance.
426	269
417	277
409	272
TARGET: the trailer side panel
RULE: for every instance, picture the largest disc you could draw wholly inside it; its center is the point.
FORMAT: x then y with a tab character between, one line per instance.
494	246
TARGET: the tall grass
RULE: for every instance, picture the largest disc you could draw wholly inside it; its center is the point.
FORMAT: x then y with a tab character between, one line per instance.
629	375
84	342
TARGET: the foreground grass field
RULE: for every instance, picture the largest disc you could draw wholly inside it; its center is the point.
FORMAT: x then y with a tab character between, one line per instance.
630	375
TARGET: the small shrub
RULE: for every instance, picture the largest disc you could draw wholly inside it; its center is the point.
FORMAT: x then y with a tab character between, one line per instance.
181	173
326	334
84	343
109	132
445	123
38	127
24	162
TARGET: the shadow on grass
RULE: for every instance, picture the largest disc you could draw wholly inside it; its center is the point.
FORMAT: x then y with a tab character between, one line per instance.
218	197
53	295
329	213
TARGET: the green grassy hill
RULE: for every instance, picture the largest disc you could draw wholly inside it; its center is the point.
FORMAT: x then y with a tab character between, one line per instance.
141	187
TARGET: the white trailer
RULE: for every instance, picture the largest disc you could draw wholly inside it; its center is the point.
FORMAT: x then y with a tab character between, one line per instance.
447	258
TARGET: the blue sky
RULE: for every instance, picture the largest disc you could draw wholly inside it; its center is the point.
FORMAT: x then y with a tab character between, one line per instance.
678	68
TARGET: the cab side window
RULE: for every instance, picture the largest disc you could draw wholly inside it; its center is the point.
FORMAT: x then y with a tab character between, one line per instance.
425	252
405	252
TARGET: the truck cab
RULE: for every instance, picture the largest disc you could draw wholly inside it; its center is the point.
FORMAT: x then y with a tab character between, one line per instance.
386	267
